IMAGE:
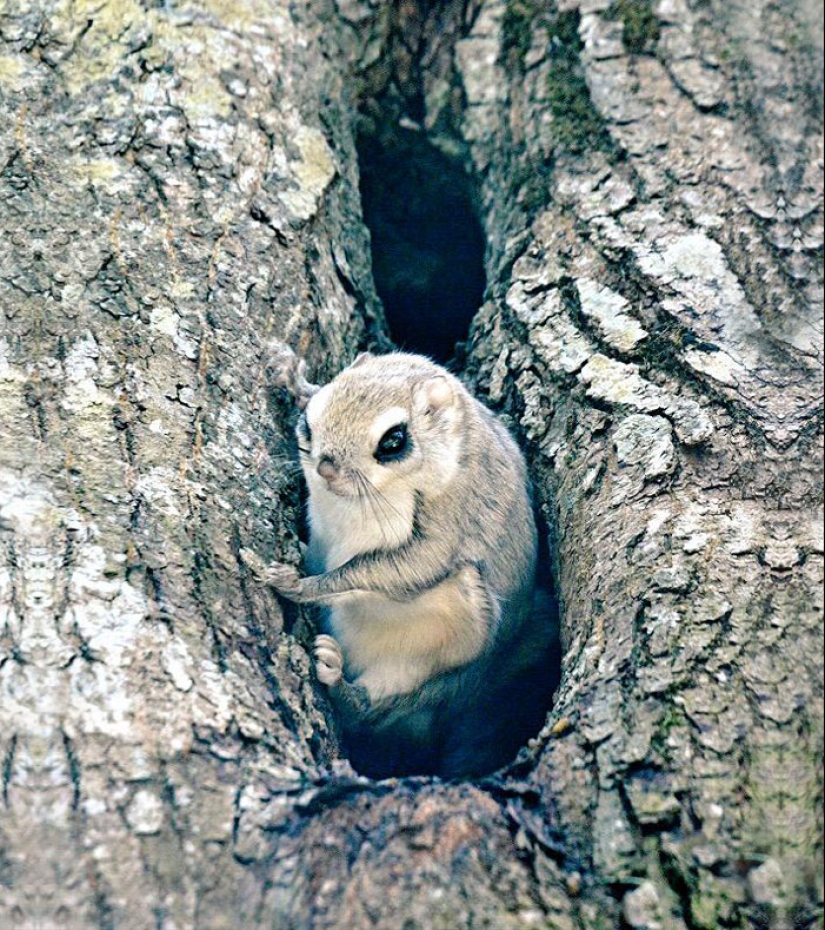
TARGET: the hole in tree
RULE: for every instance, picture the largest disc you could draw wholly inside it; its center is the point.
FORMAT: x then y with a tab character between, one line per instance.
427	242
428	249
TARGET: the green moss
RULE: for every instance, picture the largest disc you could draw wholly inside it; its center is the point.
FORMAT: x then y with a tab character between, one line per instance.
532	180
517	33
577	124
641	28
673	717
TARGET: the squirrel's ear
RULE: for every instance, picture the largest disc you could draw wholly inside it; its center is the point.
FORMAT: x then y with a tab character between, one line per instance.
361	358
433	394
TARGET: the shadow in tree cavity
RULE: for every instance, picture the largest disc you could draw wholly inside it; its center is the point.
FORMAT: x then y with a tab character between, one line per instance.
428	265
427	241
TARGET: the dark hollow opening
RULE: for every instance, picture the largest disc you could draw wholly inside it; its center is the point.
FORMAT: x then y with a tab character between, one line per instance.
428	246
427	242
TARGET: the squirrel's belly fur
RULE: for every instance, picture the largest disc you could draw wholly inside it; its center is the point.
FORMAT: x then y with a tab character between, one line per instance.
392	646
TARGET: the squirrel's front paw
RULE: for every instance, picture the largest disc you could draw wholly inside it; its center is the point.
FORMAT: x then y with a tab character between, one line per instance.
284	578
329	660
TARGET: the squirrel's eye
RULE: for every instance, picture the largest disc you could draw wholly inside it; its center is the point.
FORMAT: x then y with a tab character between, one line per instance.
393	445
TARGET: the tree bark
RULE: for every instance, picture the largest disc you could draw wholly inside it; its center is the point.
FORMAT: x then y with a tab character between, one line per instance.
178	187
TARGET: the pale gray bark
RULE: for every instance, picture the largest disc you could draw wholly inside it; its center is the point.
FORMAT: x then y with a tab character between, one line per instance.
163	172
178	186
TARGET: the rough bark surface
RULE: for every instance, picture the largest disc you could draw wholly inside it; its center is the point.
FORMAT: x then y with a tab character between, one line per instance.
178	185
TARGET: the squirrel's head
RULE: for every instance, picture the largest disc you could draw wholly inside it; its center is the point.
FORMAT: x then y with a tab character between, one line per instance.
387	424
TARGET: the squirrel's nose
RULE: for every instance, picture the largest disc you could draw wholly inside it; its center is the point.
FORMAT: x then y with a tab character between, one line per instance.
327	468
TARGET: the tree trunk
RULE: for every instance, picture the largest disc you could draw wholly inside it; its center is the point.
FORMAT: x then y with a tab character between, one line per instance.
178	187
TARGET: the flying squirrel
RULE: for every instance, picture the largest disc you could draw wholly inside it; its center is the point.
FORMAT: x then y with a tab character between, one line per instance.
422	556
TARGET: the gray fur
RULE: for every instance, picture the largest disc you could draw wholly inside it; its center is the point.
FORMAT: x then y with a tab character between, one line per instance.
449	528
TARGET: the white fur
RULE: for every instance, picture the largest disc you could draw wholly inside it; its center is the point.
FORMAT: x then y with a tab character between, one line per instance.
343	527
386	420
393	647
315	408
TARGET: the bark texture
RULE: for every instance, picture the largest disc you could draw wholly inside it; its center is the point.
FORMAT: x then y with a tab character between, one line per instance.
178	185
164	175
